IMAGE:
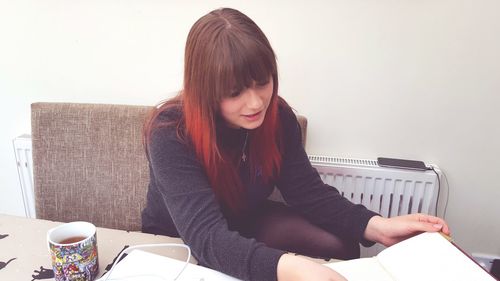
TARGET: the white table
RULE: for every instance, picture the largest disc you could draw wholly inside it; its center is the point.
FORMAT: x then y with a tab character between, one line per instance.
23	242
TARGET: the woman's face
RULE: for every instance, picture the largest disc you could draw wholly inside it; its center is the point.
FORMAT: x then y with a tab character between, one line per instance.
247	108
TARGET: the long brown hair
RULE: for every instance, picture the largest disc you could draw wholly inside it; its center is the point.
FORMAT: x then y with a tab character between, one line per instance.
225	50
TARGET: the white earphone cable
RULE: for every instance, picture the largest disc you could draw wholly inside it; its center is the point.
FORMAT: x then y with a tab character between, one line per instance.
142	246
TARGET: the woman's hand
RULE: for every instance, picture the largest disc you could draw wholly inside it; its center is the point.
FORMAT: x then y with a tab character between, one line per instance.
295	268
389	231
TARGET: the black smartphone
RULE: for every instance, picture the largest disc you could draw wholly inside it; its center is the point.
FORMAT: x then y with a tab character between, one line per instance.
401	163
495	268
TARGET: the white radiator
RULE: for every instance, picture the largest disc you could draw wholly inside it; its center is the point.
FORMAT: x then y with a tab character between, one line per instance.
24	161
387	191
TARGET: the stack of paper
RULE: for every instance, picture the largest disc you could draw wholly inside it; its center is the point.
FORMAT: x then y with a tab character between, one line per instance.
144	266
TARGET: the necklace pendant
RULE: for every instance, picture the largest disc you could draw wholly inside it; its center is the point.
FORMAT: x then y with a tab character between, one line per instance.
243	154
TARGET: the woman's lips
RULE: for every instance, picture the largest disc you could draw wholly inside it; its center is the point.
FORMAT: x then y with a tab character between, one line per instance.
252	117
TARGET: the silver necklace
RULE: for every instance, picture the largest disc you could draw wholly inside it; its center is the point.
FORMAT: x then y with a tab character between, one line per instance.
243	154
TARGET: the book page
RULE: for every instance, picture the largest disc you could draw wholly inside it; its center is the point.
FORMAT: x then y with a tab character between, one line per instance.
361	270
144	266
429	256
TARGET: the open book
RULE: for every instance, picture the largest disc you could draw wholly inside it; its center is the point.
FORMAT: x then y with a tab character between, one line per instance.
428	256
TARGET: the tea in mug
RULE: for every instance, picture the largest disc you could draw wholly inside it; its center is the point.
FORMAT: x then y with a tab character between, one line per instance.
72	240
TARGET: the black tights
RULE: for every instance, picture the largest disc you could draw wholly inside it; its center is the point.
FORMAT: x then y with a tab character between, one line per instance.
279	227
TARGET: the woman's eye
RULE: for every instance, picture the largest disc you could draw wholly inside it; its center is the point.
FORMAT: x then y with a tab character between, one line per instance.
262	84
235	94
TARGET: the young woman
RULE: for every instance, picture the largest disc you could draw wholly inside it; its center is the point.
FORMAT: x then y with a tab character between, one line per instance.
218	149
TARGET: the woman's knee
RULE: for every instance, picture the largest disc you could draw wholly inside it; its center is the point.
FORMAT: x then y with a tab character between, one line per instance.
284	229
346	250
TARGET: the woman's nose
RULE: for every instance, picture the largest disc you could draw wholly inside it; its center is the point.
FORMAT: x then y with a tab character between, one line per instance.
253	99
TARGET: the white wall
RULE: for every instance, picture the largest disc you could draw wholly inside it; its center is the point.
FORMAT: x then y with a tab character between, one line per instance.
408	79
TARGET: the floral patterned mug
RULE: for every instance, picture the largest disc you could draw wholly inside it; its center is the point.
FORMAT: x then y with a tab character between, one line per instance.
73	249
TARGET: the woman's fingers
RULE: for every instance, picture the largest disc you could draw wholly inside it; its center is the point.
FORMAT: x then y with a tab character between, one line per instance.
437	223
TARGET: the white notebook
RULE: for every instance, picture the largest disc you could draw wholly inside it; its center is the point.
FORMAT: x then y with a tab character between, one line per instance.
144	266
428	256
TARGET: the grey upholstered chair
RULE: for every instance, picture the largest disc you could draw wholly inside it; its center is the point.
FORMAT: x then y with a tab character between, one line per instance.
89	163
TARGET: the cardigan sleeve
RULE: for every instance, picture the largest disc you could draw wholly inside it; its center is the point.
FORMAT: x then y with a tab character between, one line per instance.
303	189
186	192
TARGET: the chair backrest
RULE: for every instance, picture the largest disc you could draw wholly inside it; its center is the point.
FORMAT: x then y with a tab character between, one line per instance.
89	163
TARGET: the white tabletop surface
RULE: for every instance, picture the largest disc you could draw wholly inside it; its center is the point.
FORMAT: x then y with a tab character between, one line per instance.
23	242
